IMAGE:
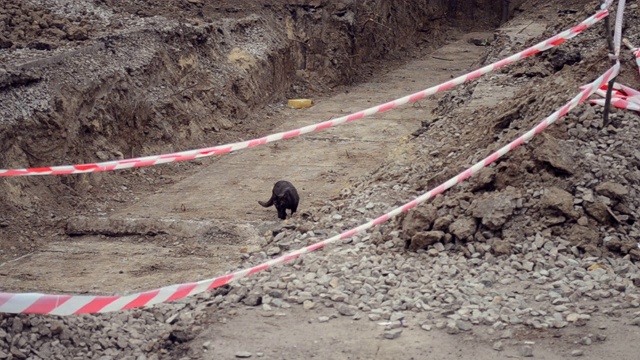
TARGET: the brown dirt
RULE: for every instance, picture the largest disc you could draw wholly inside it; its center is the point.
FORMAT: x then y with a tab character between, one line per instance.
138	84
122	81
202	193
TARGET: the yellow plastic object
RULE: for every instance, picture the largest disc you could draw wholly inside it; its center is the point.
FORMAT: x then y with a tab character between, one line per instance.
299	103
594	267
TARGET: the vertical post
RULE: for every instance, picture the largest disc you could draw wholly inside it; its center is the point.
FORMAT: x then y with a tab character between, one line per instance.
505	11
607	25
607	100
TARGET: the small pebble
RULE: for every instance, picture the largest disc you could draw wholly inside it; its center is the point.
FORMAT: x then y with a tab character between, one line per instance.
392	334
577	353
464	325
498	346
526	351
585	340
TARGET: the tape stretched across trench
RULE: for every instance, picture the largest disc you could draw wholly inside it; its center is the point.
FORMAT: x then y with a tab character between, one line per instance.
86	304
223	149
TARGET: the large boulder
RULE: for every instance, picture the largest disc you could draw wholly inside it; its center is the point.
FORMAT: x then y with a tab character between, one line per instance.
463	228
556	200
612	190
422	240
495	209
419	219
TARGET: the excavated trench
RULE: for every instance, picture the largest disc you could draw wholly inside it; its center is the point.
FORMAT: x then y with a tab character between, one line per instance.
114	79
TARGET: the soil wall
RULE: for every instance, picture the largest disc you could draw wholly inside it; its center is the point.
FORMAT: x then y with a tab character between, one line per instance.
109	79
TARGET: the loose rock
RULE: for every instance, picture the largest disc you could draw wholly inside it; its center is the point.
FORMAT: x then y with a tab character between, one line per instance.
496	209
392	334
346	310
498	346
526	351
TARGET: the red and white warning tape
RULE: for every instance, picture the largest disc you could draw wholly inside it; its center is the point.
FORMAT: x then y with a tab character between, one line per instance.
30	303
617	35
622	97
619	90
223	149
634	50
606	4
619	103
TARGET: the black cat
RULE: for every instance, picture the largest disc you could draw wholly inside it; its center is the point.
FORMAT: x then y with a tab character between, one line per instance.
284	196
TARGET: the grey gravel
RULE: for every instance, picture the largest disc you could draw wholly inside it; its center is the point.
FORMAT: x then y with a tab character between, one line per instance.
526	351
308	304
464	325
346	310
275	250
585	340
498	346
392	334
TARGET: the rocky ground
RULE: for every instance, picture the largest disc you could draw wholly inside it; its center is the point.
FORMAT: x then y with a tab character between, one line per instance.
536	256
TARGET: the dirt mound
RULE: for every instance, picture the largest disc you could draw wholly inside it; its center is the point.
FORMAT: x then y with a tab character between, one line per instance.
575	183
26	25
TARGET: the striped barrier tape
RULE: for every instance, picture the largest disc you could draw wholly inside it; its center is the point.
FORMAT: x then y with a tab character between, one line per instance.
606	4
623	97
619	91
35	303
223	149
619	103
617	36
625	89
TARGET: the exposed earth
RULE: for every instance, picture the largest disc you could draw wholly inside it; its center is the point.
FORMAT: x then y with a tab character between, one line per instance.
536	256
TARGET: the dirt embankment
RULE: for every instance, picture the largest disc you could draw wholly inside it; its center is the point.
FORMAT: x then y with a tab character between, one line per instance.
578	181
113	79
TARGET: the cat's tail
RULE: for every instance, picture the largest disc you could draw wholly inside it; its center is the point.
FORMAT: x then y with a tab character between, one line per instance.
266	204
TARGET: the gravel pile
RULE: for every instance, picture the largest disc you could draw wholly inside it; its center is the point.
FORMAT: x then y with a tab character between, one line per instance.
138	334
